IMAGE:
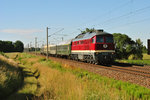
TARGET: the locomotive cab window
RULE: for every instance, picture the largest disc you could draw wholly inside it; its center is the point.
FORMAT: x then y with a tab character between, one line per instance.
99	39
109	39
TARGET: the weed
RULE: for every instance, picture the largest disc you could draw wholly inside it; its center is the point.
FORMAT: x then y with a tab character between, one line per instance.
42	59
32	63
3	54
20	59
24	62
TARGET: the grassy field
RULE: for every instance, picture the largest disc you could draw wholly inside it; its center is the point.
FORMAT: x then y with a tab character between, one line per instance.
10	77
46	80
145	61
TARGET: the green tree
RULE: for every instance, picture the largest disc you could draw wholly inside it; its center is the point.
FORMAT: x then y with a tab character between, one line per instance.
88	30
124	45
144	49
1	46
8	46
138	49
127	48
19	47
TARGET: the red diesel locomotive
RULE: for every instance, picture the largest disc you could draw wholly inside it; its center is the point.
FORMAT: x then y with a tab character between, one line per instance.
95	47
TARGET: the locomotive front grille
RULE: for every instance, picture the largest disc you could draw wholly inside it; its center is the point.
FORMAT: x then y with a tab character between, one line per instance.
104	57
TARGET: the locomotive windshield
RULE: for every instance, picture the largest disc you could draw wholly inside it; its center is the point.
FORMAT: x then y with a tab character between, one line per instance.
102	39
109	39
99	39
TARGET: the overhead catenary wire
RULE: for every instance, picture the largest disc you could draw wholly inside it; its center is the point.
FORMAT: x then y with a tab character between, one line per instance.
124	15
56	32
112	10
130	23
130	13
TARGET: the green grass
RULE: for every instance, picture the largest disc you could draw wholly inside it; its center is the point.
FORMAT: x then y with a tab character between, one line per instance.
145	61
139	62
65	82
146	56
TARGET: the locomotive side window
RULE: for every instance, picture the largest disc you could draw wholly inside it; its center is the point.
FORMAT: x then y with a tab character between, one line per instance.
109	39
81	42
99	39
93	40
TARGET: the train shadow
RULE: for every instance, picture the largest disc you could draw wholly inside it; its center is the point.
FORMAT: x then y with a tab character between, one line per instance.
122	64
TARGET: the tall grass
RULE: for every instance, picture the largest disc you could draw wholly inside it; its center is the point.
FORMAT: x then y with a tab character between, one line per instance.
3	54
121	90
10	77
64	82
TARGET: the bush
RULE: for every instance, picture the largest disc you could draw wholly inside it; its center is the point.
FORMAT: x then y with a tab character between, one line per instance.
135	57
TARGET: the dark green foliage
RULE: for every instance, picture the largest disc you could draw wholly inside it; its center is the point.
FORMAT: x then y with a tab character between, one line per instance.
9	46
138	49
1	45
126	47
18	46
88	30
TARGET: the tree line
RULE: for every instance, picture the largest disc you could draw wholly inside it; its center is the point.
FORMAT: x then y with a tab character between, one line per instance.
125	47
9	46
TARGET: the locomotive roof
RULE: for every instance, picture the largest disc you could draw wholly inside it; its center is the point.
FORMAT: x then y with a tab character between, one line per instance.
90	35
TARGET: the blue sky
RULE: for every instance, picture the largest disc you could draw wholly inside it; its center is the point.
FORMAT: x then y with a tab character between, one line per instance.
26	19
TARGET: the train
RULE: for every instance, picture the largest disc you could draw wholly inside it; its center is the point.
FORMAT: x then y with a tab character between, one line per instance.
92	47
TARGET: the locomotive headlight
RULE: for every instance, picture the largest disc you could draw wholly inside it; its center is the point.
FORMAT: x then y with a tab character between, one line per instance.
105	45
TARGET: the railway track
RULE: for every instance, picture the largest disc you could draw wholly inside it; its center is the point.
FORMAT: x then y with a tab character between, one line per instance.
142	68
128	70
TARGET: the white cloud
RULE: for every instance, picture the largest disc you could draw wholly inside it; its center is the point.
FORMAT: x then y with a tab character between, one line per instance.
21	31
